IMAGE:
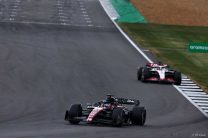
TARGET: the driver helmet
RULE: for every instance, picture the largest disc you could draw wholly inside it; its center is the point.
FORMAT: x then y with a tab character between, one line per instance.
110	99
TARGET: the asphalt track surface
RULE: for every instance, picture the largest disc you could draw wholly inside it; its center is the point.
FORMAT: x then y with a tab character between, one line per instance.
52	58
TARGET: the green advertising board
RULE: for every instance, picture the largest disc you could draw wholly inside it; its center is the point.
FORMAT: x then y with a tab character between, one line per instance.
196	47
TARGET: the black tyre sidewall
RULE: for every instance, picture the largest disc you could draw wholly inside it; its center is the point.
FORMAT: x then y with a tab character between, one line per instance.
118	116
75	111
177	78
145	74
139	73
138	116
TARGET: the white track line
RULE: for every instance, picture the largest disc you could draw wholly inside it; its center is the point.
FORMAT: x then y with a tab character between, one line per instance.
203	104
201	101
188	84
191	90
199	95
192	101
205	107
185	79
192	87
199	98
109	9
195	93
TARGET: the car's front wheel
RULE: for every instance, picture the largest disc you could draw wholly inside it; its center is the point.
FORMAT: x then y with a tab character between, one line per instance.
118	116
138	116
75	111
145	74
139	73
177	78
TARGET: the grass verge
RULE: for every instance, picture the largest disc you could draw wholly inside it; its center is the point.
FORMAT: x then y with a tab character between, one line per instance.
169	44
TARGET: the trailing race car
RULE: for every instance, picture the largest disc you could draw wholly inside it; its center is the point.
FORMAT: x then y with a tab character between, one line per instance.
158	72
110	111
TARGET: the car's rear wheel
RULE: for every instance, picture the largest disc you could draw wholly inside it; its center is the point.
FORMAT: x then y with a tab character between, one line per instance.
139	73
138	116
75	111
118	117
177	78
145	74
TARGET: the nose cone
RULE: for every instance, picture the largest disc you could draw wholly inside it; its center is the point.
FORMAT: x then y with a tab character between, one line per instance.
161	74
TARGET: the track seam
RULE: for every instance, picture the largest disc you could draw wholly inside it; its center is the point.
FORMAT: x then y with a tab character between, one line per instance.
190	90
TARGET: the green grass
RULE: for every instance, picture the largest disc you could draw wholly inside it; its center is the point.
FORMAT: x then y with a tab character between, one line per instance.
169	44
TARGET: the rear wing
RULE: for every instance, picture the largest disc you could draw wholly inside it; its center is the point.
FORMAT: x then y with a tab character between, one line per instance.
156	65
128	101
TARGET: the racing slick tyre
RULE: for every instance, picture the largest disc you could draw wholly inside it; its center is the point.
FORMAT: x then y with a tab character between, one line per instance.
75	111
145	75
177	78
138	116
139	73
118	117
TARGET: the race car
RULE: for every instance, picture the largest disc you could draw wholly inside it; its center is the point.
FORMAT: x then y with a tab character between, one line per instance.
158	72
110	111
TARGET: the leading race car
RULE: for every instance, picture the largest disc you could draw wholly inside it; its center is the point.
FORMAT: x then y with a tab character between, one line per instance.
110	111
158	72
